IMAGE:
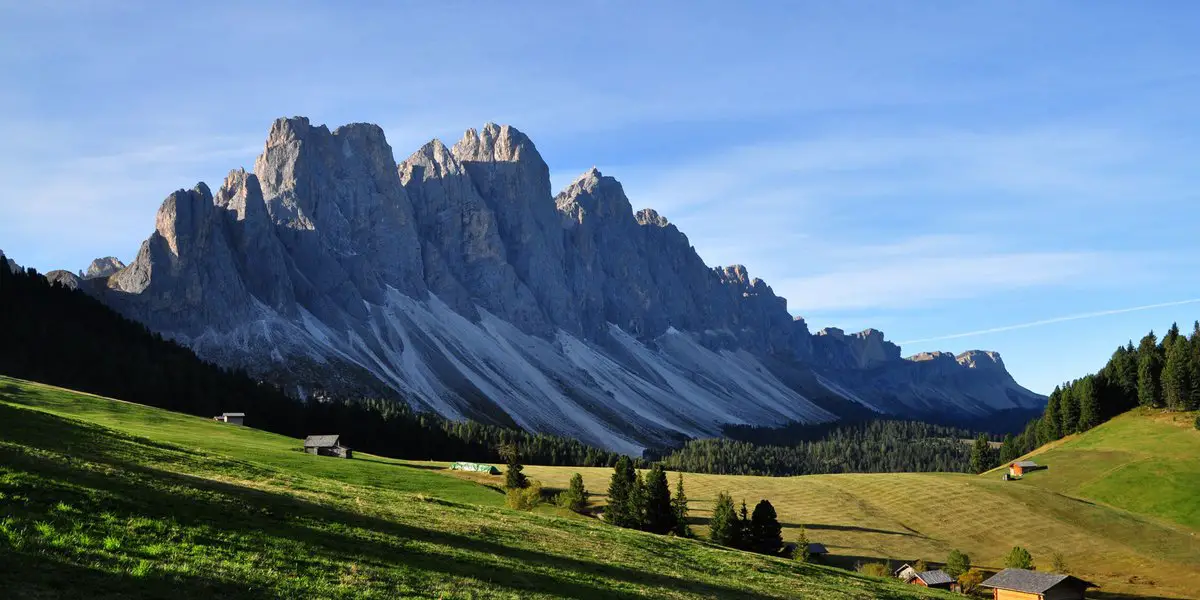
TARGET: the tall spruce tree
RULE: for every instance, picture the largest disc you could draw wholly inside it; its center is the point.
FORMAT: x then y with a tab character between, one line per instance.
1172	335
1049	429
620	488
1068	411
743	535
1008	450
514	478
1176	375
724	528
1089	402
766	534
1194	363
981	454
1125	372
679	508
660	514
1149	372
635	508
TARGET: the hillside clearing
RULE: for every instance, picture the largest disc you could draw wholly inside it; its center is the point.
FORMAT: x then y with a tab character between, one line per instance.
103	499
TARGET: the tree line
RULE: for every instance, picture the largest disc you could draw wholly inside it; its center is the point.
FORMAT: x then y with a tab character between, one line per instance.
881	446
64	337
1162	374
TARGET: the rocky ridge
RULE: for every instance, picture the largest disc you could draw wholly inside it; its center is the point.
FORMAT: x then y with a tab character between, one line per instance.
456	281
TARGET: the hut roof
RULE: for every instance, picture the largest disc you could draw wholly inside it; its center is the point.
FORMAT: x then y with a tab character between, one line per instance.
1022	580
321	441
233	414
815	548
935	577
1024	464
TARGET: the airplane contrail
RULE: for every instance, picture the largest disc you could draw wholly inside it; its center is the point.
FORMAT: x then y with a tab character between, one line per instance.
1102	313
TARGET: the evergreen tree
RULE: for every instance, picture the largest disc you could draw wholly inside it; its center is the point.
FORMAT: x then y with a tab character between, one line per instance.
1176	375
1149	372
1068	411
724	528
1089	402
1125	371
766	534
660	513
1049	426
576	497
743	535
679	508
620	488
957	563
635	509
1008	450
981	455
1018	558
1194	363
802	554
1172	335
514	479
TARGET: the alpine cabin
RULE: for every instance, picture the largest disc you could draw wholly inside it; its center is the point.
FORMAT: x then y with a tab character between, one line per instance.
1022	467
231	418
937	579
326	445
1022	584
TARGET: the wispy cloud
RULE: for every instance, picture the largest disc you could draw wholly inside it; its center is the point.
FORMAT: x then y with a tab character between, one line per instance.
1051	321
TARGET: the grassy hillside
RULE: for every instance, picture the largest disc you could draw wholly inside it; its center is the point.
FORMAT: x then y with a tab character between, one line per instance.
105	499
1117	502
1144	461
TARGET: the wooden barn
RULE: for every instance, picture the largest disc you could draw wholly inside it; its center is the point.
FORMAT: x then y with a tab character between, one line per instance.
937	579
231	418
326	445
1022	584
1022	467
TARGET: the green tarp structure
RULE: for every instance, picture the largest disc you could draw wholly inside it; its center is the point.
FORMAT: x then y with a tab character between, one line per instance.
480	468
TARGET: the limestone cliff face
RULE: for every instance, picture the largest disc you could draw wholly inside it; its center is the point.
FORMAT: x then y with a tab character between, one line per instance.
456	281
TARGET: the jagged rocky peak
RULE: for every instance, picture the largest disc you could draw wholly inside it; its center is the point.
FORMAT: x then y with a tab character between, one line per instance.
103	267
181	215
650	217
593	195
981	359
865	349
242	195
936	355
63	278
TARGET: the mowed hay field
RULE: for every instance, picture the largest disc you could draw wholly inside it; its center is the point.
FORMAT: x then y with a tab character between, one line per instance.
907	516
103	499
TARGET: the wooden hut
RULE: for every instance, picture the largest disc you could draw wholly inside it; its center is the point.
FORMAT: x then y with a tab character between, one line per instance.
1022	467
1023	584
231	418
937	579
326	445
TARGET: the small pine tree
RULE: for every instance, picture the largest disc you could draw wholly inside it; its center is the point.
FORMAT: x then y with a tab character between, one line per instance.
576	497
766	534
514	479
957	563
981	454
660	513
801	554
724	527
679	509
1018	558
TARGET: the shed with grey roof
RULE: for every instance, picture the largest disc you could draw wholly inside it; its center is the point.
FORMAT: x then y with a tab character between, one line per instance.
326	445
1022	467
933	579
1021	584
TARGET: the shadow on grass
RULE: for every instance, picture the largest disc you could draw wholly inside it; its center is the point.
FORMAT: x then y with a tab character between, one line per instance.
77	581
855	528
362	458
242	521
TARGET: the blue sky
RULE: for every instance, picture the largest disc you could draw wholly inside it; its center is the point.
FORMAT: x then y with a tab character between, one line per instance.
928	169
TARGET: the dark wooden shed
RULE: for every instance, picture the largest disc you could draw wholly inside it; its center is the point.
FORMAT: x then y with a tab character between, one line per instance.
326	445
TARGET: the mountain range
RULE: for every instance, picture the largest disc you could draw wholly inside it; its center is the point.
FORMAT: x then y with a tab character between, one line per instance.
456	280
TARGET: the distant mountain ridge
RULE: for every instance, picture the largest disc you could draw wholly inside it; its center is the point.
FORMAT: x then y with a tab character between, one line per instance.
455	280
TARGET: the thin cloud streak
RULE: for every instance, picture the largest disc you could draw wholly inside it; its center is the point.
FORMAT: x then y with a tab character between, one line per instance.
1091	315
